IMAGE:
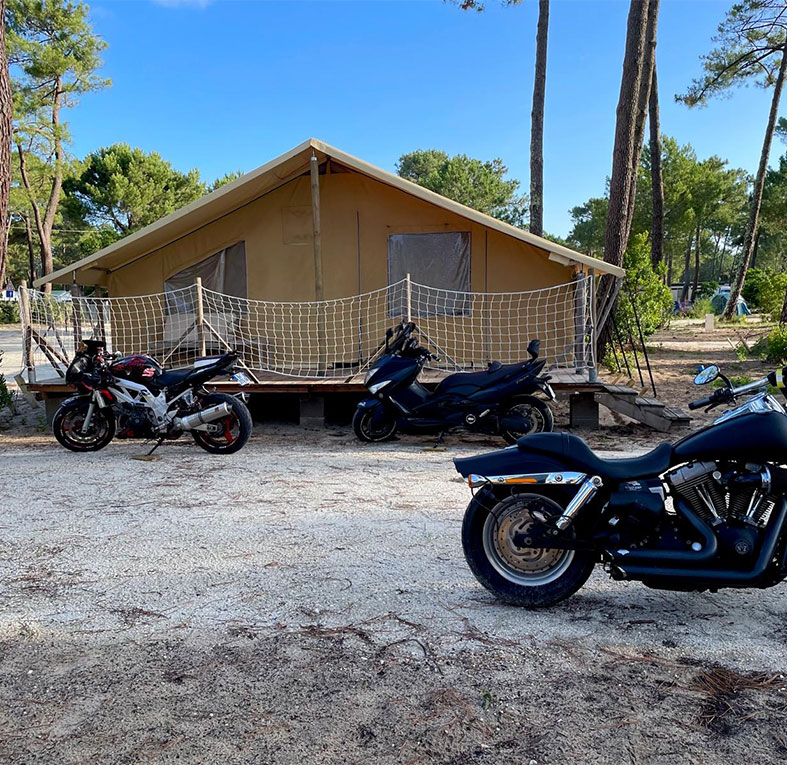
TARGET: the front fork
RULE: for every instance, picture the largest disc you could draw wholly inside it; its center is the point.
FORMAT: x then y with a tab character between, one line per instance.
96	399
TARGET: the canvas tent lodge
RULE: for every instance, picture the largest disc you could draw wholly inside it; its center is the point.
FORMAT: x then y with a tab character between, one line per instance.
304	263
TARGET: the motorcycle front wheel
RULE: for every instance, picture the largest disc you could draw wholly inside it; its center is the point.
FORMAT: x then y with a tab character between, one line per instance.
372	426
533	409
522	576
229	434
69	421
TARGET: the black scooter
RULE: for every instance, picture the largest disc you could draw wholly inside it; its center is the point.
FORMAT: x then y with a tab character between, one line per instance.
496	401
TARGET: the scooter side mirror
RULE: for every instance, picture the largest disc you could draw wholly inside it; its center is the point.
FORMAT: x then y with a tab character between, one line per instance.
706	374
533	347
389	333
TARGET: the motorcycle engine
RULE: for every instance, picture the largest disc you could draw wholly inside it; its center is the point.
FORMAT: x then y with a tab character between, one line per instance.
735	500
133	421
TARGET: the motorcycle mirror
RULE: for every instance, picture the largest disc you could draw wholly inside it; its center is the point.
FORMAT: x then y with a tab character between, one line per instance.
389	333
533	348
706	374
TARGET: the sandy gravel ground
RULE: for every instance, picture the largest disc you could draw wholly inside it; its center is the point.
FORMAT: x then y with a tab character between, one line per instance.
307	600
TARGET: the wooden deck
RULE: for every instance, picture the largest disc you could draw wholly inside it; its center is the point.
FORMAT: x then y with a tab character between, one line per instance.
562	380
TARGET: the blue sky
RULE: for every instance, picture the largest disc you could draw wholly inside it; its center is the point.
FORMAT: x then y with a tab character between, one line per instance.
223	85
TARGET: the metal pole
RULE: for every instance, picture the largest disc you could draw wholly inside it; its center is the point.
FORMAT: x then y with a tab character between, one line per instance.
642	341
200	318
409	293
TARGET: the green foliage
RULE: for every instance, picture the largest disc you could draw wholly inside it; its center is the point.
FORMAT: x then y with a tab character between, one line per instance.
9	312
773	346
748	48
765	290
6	397
127	189
590	222
643	287
52	52
472	182
707	290
700	307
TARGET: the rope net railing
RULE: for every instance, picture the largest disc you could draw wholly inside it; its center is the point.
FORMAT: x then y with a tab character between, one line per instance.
320	339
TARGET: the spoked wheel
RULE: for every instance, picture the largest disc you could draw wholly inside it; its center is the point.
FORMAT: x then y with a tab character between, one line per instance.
69	421
518	574
534	411
373	425
229	434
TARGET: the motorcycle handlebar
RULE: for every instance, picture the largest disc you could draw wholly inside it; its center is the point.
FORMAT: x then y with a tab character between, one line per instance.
700	402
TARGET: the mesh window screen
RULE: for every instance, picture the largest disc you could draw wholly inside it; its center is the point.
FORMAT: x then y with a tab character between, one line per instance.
438	260
224	271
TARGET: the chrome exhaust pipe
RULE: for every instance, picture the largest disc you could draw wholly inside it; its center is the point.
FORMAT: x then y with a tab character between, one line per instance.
203	417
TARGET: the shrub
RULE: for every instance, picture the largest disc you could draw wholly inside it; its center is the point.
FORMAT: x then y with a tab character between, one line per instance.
6	397
9	312
645	287
700	307
773	346
765	290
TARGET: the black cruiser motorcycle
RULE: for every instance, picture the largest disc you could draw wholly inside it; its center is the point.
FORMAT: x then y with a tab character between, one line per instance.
498	400
703	513
133	397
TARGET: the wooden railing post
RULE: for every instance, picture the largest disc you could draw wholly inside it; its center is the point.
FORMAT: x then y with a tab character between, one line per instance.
409	297
591	284
26	317
200	318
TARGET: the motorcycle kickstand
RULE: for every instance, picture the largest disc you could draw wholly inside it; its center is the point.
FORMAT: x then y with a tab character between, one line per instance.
438	445
155	446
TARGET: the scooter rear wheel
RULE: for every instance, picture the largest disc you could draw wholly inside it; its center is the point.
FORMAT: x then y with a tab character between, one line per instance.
536	410
372	426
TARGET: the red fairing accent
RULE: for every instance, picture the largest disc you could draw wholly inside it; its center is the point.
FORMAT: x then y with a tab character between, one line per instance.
138	367
107	394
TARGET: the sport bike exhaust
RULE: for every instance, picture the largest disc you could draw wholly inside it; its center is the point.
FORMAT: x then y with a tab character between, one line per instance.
203	417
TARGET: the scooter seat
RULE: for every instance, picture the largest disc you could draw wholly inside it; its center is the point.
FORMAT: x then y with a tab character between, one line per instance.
577	455
491	376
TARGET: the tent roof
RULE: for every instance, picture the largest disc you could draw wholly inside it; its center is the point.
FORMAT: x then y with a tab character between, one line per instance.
264	179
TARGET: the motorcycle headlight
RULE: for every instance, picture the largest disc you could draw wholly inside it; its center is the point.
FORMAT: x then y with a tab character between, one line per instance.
378	386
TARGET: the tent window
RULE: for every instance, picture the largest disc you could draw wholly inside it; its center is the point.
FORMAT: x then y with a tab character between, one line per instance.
435	260
224	271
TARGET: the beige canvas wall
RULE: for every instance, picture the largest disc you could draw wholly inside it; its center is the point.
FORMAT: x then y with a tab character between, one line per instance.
358	215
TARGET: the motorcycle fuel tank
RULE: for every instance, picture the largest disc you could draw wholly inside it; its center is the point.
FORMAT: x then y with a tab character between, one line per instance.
138	367
756	437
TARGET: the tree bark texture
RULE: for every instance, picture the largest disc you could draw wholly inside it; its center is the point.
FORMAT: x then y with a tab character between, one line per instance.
537	123
752	226
629	133
6	129
656	177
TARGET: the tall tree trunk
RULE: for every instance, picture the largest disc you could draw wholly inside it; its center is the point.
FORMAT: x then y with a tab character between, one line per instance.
656	177
6	128
752	226
684	293
537	123
697	247
629	133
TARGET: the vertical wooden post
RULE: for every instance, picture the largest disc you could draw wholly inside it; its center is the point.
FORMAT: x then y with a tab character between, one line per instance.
26	317
200	318
76	314
592	299
319	293
409	297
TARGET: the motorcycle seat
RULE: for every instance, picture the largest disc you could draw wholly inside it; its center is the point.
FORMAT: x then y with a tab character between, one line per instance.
173	376
491	376
577	455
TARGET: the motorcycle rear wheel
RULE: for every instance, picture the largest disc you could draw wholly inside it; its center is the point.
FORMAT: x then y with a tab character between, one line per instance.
372	430
235	427
536	410
522	576
67	427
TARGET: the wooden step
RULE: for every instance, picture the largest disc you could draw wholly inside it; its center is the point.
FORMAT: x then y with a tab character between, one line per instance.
648	411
